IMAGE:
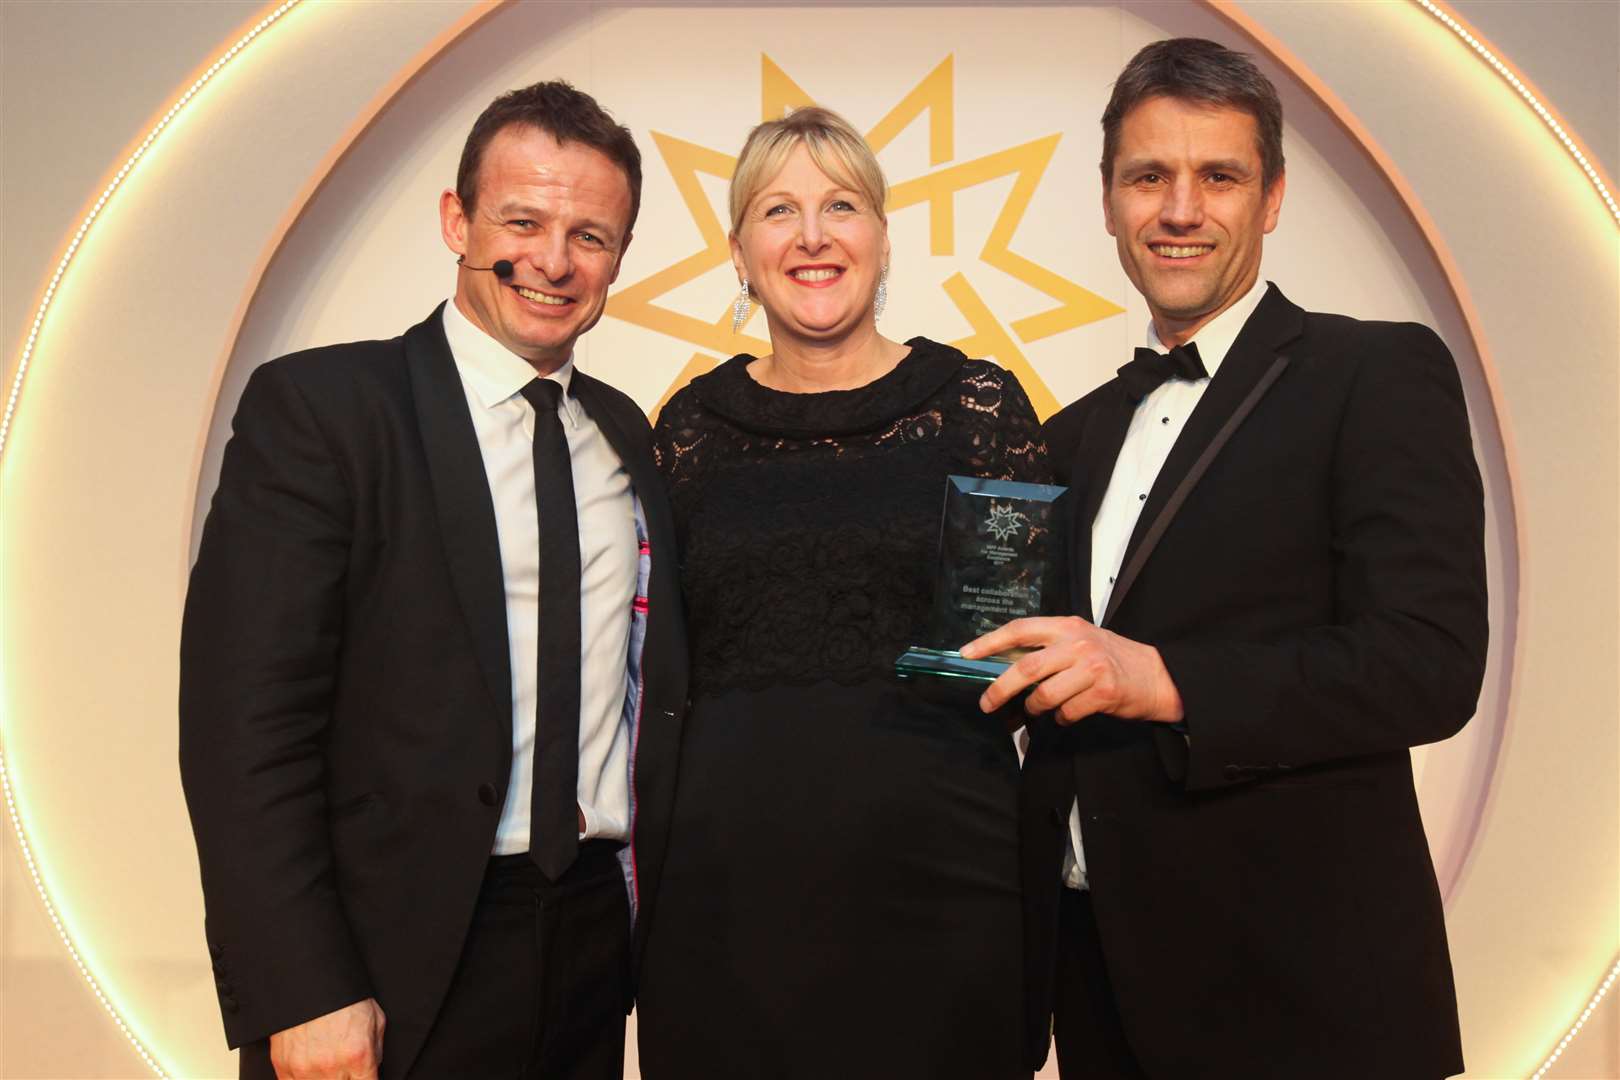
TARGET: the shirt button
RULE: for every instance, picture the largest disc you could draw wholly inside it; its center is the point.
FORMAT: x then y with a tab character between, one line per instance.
487	793
1164	420
1141	498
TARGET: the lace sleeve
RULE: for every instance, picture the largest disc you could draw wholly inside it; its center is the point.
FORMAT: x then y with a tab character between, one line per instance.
1000	436
678	438
680	449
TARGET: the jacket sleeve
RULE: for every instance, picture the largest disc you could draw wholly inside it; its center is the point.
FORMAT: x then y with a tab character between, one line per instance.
1402	661
258	666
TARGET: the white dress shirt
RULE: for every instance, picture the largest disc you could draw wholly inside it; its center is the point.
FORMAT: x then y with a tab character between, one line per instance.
1153	430
608	553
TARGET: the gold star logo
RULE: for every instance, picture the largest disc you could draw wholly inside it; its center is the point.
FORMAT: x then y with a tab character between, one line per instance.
936	96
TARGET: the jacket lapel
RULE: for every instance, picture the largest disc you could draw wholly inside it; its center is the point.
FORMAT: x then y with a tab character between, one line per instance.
665	643
657	727
1247	372
635	453
466	510
1094	458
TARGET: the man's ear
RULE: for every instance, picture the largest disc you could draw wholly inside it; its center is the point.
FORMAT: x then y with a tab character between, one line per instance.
618	262
1274	198
452	222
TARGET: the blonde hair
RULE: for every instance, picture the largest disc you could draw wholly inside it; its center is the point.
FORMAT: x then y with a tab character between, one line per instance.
835	147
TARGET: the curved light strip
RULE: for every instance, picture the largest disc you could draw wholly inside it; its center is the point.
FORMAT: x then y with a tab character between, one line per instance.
1527	92
1586	1013
1551	119
91	216
61	930
112	187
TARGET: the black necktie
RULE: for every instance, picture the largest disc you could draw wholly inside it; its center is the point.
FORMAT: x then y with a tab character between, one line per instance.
1152	369
553	821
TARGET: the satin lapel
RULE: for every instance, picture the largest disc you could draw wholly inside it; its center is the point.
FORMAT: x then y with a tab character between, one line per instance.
1094	458
1274	324
466	510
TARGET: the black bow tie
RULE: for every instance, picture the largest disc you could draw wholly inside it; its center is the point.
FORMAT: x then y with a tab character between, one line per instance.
1152	369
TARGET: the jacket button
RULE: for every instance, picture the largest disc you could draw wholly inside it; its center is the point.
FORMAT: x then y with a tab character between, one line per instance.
1232	772
487	793
229	1003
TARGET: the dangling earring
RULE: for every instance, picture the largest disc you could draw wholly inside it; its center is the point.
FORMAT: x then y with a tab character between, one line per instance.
881	300
739	310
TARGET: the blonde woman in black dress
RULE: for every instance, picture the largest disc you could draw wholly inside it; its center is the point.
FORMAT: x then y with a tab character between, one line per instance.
840	898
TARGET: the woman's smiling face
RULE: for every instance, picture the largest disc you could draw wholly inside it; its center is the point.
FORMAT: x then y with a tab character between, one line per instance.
812	251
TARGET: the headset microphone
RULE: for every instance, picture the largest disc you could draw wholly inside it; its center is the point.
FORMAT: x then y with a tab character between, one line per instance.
503	267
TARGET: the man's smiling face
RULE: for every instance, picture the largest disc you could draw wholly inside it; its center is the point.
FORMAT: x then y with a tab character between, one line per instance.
559	212
1188	209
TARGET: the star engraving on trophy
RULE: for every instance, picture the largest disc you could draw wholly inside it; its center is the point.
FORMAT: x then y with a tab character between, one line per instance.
935	94
1004	522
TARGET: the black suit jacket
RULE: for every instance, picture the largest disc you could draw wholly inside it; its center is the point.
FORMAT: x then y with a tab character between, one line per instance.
345	698
1263	886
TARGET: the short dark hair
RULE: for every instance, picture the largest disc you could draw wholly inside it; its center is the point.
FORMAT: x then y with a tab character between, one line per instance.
567	115
1196	70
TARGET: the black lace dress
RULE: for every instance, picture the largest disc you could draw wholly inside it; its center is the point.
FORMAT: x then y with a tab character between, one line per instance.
841	893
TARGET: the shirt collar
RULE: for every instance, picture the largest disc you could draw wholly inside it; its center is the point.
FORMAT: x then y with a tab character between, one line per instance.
1215	337
493	371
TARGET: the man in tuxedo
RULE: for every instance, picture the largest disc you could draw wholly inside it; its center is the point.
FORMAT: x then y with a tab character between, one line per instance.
1277	574
432	665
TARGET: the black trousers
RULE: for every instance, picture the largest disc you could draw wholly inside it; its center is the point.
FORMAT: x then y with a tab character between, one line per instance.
543	984
544	980
1090	1036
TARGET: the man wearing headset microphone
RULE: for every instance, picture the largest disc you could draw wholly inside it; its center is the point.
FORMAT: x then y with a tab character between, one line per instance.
432	665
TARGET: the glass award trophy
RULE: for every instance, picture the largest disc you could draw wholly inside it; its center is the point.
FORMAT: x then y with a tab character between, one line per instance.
999	555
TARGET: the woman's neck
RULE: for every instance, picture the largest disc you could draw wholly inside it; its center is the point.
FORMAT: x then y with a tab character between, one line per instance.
808	367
